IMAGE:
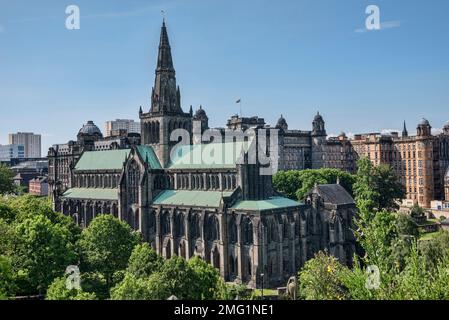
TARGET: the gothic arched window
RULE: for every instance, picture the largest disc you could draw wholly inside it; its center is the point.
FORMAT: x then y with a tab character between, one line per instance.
232	230
179	225
213	228
133	182
165	221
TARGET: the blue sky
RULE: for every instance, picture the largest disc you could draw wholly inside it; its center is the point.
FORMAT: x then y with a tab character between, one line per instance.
289	57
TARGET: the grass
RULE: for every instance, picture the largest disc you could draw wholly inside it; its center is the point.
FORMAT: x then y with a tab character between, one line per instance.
428	236
266	292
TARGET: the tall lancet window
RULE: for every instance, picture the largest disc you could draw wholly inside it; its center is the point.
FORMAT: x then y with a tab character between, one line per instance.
133	182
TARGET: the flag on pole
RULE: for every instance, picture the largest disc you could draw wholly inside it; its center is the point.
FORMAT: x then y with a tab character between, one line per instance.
238	101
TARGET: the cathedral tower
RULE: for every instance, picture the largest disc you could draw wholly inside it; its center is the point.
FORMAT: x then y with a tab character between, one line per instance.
165	114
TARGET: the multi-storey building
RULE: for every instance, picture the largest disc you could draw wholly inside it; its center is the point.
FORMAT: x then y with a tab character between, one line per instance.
11	151
420	161
30	141
130	126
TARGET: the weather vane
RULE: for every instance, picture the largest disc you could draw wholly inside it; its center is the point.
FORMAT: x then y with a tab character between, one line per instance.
163	14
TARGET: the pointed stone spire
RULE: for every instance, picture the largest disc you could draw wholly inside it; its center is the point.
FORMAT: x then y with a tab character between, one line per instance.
165	96
164	61
404	131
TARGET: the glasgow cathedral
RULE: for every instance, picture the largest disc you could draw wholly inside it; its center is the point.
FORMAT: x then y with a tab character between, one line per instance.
227	212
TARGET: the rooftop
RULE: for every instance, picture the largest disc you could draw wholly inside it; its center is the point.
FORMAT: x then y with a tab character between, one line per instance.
267	204
209	199
102	160
91	194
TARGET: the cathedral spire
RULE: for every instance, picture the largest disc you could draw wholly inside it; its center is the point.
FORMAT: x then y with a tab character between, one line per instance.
164	61
404	131
166	96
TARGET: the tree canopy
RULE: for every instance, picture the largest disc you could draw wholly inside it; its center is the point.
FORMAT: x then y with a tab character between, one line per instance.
106	246
6	182
296	184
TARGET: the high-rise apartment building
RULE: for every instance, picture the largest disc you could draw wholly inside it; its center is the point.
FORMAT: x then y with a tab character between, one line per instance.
30	141
130	126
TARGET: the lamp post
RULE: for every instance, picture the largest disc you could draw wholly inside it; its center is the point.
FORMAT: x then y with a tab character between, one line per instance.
263	262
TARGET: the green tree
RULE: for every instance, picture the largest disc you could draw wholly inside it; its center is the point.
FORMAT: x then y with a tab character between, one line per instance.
296	184
320	279
376	188
287	182
7	284
44	251
133	288
6	182
106	246
144	261
58	291
175	278
435	249
208	281
406	226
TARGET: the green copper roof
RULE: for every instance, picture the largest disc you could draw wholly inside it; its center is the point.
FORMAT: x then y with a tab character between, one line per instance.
91	193
268	204
208	156
147	154
102	160
190	198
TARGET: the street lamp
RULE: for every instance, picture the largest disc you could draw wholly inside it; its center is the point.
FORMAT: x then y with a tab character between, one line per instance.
263	264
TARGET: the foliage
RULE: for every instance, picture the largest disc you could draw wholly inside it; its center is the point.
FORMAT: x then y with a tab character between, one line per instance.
209	284
417	211
7	285
43	252
320	279
193	280
377	237
406	226
236	291
95	283
133	288
296	184
6	180
144	261
58	291
435	249
376	188
106	246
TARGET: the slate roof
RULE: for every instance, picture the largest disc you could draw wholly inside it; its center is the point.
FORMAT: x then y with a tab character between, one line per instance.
208	156
267	204
190	198
91	194
335	194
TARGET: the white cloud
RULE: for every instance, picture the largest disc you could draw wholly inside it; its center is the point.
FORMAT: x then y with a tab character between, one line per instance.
437	131
383	26
389	131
